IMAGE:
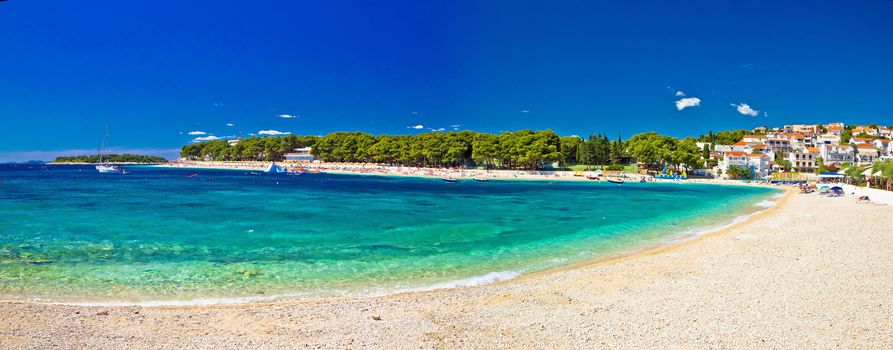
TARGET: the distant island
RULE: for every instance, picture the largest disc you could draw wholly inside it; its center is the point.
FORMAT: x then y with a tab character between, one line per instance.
32	162
113	158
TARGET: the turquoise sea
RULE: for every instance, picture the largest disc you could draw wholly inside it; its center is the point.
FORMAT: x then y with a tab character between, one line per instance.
68	233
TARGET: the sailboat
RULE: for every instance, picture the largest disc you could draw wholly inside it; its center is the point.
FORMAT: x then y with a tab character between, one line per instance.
104	165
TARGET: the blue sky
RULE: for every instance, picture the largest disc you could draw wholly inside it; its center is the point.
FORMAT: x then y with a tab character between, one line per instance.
158	70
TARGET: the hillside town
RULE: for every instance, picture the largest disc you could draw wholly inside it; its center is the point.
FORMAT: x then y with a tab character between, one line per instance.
809	150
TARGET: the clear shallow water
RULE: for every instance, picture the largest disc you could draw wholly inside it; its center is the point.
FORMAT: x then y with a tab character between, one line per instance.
68	233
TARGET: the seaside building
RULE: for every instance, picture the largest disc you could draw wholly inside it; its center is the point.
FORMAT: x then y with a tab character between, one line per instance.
859	140
300	155
799	141
805	160
883	145
779	145
803	128
758	163
837	154
754	139
741	146
760	130
827	139
864	129
722	148
866	153
835	128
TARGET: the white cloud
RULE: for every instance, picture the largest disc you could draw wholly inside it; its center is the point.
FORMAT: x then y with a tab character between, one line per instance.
455	126
206	138
287	116
417	127
197	133
438	129
679	93
230	124
525	110
687	102
745	109
272	132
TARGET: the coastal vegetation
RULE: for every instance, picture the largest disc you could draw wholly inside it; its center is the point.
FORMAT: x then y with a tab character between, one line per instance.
523	149
112	158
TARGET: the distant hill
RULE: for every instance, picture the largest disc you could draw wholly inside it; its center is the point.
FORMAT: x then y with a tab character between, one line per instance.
113	158
38	162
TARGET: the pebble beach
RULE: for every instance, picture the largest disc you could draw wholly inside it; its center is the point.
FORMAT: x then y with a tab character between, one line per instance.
811	272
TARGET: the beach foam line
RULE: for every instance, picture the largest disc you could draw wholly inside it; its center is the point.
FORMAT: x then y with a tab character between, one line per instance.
488	278
765	204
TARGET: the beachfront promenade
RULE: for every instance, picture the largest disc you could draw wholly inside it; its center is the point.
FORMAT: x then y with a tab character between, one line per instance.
811	272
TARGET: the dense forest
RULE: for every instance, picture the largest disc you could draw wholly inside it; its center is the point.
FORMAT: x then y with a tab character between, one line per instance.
113	158
523	149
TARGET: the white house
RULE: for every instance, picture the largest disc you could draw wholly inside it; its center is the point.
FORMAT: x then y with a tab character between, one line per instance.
300	155
883	145
827	139
804	160
857	140
866	153
741	146
759	163
860	129
837	154
835	128
781	145
754	139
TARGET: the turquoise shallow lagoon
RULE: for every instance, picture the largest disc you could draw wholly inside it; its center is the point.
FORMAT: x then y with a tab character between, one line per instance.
68	233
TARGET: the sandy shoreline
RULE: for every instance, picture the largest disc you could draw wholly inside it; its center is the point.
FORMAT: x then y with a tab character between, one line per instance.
812	272
466	174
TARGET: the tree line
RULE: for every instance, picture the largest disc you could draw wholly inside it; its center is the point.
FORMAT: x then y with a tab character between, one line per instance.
523	149
112	158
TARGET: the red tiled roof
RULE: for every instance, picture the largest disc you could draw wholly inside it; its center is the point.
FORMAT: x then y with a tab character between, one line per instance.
736	154
865	145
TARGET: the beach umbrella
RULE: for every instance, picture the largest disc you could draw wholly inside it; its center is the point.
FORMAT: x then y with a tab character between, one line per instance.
836	188
823	188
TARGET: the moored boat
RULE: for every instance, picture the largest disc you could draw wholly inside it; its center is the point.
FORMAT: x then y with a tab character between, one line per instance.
449	179
105	167
615	180
480	179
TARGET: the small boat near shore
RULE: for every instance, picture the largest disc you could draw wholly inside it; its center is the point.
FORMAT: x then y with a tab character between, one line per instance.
615	180
479	179
449	179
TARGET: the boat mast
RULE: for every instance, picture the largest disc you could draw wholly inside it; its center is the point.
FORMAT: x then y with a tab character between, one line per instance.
108	139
